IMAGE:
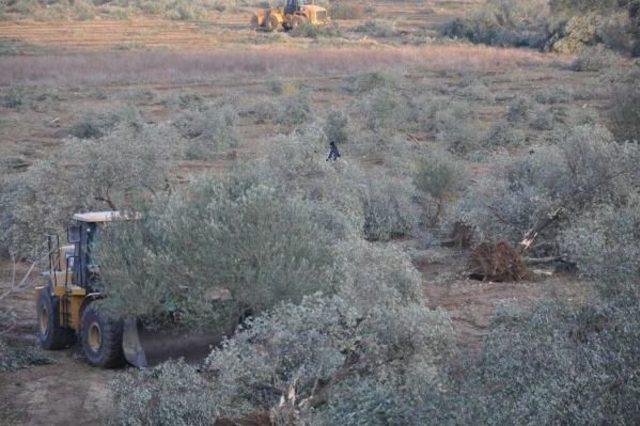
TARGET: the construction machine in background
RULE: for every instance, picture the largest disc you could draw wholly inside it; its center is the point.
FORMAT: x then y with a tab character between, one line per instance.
289	17
68	309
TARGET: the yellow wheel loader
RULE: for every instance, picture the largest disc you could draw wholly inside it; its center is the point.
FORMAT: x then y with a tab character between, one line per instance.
67	310
291	16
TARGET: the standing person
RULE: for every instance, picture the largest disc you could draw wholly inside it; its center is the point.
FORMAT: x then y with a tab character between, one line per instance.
334	154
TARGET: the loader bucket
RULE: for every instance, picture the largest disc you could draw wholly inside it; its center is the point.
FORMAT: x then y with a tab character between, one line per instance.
146	348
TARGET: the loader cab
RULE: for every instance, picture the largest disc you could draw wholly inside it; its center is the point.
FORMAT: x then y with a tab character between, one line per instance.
83	233
74	264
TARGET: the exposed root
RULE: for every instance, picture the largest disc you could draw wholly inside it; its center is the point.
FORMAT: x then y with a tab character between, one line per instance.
498	262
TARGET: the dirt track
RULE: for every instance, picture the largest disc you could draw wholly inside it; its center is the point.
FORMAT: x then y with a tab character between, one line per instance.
66	392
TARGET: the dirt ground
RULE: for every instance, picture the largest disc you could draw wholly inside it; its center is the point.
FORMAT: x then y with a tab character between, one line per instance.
70	392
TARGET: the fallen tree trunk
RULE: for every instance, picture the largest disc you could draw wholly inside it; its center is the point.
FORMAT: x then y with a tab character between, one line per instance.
542	260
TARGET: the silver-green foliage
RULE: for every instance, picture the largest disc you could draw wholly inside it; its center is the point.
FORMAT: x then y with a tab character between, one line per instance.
585	168
605	242
208	130
237	235
388	211
173	393
94	174
374	327
558	364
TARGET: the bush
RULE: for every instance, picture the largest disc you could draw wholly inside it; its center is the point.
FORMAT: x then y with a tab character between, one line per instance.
172	393
15	98
250	240
346	10
313	31
364	83
208	130
439	175
294	110
503	22
387	209
94	125
504	134
377	29
12	358
624	108
594	59
374	276
107	174
605	243
270	360
587	168
382	108
588	353
335	127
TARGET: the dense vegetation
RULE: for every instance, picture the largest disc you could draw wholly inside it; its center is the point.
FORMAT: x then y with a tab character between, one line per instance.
315	259
558	25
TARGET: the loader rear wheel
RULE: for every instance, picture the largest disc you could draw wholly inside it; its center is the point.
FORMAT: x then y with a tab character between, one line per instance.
50	333
101	338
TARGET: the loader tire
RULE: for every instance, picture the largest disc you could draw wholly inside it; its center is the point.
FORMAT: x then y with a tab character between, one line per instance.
51	335
101	338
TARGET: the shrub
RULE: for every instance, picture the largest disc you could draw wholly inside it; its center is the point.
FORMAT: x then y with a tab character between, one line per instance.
373	276
172	393
376	29
503	22
363	83
270	360
457	126
250	240
95	125
587	353
624	108
313	31
543	119
96	174
505	134
387	209
586	168
439	175
382	108
294	110
519	110
13	358
335	127
208	130
604	243
15	98
554	95
346	10
594	58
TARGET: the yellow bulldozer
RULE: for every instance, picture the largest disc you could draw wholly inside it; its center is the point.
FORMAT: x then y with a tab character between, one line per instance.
292	15
67	310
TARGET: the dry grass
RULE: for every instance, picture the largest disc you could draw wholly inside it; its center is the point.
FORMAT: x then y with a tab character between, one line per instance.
173	67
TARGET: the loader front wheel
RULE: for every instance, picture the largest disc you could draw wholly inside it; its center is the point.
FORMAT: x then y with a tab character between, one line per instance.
50	333
101	338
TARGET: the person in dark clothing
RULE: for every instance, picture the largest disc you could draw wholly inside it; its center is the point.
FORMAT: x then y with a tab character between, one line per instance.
334	154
